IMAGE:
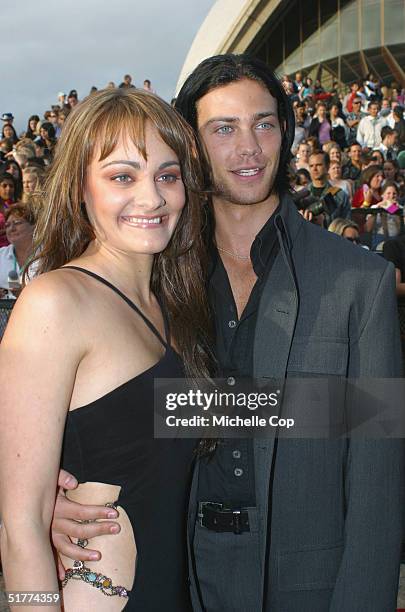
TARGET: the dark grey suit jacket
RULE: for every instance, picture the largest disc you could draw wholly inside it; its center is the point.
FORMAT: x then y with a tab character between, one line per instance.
334	507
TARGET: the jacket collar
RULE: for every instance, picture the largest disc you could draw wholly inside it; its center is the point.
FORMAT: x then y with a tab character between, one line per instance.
288	220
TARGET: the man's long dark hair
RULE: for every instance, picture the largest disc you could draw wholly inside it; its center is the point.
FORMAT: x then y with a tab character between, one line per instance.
221	70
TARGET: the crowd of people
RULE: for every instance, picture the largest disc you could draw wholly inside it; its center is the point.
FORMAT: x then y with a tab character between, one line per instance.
348	153
349	156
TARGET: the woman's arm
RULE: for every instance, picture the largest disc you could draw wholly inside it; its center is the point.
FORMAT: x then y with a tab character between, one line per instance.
39	356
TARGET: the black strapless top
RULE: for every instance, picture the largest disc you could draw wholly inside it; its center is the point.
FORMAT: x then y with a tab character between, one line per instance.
111	441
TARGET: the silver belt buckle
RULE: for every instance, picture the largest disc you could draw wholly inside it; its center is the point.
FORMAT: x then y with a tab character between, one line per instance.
201	506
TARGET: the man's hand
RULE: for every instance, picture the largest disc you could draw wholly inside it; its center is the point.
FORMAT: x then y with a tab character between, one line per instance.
307	214
66	524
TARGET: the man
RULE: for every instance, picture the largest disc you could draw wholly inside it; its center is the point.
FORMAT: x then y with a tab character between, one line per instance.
388	140
127	82
385	107
352	169
353	119
369	128
282	525
336	201
54	119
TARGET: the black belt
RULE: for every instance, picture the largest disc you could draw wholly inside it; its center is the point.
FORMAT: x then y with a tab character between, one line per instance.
217	517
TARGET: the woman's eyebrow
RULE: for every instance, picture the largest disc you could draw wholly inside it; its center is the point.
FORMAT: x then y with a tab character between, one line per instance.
126	162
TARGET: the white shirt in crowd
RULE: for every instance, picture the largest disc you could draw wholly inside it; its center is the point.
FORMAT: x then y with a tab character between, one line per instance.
369	131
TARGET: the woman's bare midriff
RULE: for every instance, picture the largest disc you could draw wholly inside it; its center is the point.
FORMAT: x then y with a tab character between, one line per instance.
118	560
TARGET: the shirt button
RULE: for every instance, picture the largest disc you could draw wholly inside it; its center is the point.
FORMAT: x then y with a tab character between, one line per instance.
230	380
232	324
238	472
236	454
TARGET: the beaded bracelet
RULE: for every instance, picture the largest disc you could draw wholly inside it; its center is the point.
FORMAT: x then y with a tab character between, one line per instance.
80	572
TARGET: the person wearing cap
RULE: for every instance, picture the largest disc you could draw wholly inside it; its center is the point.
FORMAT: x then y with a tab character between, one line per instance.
9	117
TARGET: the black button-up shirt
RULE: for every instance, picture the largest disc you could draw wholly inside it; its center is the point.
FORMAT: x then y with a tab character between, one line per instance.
228	475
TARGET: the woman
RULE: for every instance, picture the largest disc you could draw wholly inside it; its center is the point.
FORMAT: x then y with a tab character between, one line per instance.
121	284
370	191
7	198
335	178
320	125
19	228
346	228
47	138
388	224
33	178
339	128
8	131
31	131
14	168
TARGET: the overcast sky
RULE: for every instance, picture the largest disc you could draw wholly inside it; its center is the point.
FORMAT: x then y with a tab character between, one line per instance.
49	46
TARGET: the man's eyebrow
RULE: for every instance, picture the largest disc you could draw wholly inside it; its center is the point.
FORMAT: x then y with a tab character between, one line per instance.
255	117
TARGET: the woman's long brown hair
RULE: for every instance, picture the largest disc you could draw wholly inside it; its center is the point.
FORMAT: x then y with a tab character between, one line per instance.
63	230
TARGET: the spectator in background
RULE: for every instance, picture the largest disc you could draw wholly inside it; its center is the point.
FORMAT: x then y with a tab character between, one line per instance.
110	85
31	131
47	139
33	178
320	126
335	178
391	170
23	151
19	227
307	90
337	200
72	99
346	228
62	99
62	117
12	167
388	224
369	128
353	119
8	118
377	157
54	120
335	152
302	178
385	107
388	142
127	82
302	159
7	192
302	123
370	191
339	129
399	126
298	82
147	85
349	98
9	132
312	142
394	251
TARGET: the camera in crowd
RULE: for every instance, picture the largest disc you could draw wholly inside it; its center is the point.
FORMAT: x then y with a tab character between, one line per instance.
304	200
